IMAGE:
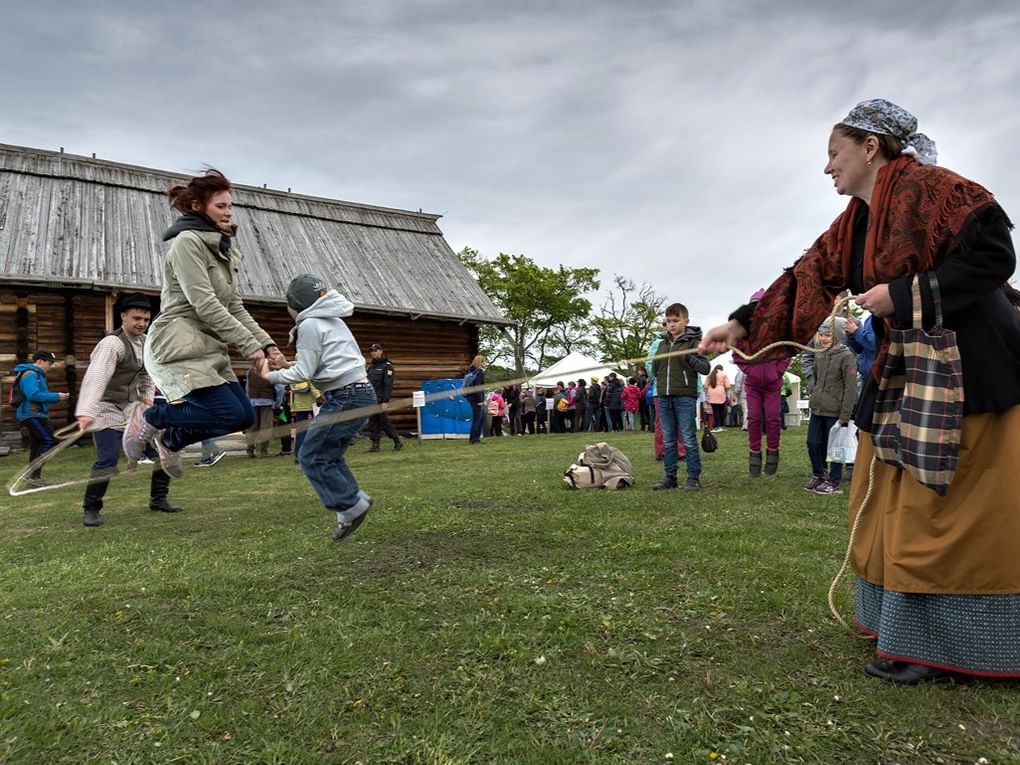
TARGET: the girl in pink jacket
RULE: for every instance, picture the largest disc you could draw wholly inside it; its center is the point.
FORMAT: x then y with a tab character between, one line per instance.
631	402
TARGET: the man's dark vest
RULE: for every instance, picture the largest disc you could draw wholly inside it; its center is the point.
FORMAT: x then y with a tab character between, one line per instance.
122	388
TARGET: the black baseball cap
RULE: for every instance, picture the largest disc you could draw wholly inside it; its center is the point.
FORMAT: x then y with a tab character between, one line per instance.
375	347
42	355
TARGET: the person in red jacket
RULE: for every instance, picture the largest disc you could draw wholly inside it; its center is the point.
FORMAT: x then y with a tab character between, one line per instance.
631	402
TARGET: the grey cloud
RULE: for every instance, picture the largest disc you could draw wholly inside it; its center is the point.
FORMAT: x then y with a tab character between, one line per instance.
680	144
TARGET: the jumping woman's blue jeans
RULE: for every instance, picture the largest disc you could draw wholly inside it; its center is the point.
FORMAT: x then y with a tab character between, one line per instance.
203	413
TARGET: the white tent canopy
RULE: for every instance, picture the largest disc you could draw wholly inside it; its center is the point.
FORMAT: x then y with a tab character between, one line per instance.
573	366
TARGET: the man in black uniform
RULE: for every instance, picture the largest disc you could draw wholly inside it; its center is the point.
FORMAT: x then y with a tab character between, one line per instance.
380	374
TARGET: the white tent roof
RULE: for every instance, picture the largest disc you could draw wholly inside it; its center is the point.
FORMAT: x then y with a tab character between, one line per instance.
573	366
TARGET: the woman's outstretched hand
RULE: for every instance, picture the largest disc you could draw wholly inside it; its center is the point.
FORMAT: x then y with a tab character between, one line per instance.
876	300
719	339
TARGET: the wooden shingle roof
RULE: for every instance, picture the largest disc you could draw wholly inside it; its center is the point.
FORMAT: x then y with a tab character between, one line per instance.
74	221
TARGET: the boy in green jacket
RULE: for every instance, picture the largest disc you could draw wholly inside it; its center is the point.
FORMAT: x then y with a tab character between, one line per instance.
676	379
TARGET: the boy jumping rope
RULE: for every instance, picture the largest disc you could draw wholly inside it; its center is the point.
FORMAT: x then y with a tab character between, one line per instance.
328	356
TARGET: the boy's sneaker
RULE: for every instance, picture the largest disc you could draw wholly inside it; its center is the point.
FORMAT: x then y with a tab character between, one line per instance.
669	482
138	433
693	484
828	487
168	460
345	529
814	483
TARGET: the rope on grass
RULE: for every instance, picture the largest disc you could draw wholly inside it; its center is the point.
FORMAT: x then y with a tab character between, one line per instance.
846	559
66	436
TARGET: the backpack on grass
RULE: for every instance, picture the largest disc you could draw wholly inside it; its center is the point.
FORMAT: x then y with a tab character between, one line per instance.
600	466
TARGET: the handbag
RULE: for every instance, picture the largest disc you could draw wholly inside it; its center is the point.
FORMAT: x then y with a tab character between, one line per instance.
919	407
709	443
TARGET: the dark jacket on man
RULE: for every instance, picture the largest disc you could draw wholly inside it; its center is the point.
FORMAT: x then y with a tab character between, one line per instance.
380	374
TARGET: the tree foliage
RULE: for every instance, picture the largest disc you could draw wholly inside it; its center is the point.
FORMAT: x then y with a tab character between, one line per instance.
629	319
565	338
533	298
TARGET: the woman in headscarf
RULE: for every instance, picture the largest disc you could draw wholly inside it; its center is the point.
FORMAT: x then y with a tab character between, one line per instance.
938	576
201	316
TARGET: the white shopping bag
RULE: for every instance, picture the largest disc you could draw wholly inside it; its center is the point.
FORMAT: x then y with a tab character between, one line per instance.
842	444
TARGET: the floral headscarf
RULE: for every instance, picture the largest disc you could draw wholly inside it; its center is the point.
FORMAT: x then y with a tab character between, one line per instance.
886	118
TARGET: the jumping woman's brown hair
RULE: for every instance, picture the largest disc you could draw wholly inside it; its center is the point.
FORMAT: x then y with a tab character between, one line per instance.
198	192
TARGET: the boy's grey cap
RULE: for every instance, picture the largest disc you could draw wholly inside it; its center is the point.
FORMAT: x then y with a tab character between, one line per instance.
305	290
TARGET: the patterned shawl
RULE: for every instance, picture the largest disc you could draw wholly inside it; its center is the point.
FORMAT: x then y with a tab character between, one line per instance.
917	215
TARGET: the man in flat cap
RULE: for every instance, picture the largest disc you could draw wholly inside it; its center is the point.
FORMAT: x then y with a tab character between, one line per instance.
380	374
115	378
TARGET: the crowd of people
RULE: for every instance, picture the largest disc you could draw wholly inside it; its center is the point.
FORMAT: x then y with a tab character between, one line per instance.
576	406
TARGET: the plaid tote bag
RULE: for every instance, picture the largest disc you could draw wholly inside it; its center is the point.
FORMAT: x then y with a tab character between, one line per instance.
919	408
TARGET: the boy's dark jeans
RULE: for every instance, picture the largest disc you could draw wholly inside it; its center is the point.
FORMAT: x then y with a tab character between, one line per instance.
322	451
678	413
40	439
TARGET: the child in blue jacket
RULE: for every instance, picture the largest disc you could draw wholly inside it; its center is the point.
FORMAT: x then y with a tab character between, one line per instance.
34	408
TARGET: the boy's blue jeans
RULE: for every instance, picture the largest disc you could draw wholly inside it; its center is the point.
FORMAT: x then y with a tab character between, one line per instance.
321	454
680	412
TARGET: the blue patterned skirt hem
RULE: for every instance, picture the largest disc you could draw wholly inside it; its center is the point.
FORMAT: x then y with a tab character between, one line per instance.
970	634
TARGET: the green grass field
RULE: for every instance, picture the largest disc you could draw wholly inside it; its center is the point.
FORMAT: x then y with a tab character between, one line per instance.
482	614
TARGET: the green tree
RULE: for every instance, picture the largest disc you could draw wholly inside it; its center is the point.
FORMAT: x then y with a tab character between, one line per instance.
533	298
572	335
628	321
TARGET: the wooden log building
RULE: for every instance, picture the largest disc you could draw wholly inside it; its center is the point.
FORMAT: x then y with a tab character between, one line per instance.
77	233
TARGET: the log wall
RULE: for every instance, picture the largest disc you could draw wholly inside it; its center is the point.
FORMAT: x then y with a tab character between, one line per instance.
70	322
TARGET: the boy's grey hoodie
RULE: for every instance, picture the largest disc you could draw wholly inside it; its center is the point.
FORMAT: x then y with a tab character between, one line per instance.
327	353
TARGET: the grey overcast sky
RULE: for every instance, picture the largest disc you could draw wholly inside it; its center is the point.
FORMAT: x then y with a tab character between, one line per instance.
675	143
